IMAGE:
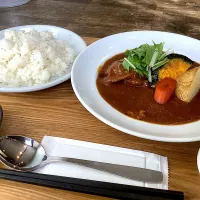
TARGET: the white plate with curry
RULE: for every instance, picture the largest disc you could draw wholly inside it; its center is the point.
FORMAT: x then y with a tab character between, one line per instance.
144	83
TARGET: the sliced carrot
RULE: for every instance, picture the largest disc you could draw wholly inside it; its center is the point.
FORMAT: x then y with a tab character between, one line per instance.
164	90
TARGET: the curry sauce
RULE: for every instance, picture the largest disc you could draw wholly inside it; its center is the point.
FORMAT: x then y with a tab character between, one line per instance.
138	102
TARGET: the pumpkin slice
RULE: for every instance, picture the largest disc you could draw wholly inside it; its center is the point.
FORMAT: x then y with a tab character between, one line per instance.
174	68
188	84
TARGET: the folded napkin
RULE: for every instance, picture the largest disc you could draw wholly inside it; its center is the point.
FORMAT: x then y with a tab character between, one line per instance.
55	146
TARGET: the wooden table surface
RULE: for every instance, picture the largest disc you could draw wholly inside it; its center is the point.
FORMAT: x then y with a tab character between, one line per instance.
58	112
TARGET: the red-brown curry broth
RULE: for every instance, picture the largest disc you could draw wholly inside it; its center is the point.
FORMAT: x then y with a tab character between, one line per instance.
138	102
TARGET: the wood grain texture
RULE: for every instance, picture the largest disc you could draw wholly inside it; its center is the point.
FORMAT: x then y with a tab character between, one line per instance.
99	18
57	111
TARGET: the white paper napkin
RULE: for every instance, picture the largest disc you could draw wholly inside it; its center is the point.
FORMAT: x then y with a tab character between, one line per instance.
97	152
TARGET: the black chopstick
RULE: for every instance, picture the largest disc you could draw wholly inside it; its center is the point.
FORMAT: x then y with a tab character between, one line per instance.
105	189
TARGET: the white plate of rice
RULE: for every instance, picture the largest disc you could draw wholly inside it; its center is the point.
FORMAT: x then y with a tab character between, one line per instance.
36	57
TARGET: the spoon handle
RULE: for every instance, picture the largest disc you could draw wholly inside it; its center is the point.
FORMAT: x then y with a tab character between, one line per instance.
140	174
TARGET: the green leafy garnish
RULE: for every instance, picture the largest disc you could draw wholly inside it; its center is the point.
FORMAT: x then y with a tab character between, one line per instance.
146	59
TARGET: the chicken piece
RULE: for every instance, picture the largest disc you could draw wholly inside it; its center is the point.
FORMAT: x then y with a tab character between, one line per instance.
136	81
116	72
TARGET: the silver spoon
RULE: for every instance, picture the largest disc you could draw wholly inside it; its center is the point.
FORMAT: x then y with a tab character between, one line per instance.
25	154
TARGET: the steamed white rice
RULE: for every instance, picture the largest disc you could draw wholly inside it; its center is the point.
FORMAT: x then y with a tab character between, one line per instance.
31	58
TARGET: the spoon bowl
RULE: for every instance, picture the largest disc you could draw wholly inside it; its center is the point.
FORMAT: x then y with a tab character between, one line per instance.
21	153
